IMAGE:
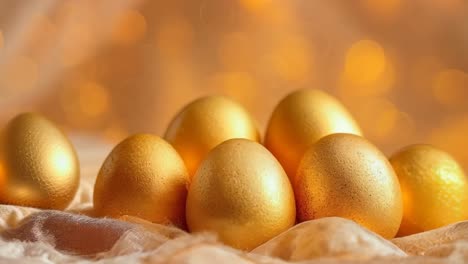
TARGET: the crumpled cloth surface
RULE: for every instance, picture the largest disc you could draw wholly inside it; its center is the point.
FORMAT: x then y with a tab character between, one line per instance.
29	235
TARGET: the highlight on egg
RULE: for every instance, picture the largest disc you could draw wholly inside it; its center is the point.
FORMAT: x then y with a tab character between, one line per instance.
143	176
345	175
38	165
205	123
242	193
434	186
300	120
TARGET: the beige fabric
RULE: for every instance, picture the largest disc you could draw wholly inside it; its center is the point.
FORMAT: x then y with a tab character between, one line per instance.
39	236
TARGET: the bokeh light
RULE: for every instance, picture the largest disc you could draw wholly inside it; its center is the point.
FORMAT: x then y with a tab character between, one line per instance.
450	88
85	103
365	62
367	72
254	5
93	99
291	59
77	42
384	114
130	28
387	120
112	68
275	14
239	85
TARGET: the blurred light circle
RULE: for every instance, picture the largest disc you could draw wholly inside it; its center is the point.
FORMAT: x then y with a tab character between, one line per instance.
130	28
364	63
77	43
239	85
291	58
93	99
378	117
85	103
254	5
450	88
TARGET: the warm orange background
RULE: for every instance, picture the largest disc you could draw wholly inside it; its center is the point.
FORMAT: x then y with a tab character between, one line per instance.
114	67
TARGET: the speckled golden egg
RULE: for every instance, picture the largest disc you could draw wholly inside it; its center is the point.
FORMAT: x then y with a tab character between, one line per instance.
205	123
434	187
143	176
38	164
344	175
242	193
299	120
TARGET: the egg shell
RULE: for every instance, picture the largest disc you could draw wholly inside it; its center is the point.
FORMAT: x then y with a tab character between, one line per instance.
143	176
344	175
434	187
299	120
205	123
38	164
241	193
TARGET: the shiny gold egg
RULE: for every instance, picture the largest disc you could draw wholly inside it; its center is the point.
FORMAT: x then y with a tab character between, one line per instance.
38	164
346	176
434	187
205	123
299	120
143	176
242	193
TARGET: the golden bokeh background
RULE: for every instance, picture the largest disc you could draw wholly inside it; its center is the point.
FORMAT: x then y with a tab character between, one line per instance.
116	67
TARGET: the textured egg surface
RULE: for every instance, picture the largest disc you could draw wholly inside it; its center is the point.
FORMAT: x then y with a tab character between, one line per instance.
206	122
38	164
242	193
434	187
299	120
344	175
143	176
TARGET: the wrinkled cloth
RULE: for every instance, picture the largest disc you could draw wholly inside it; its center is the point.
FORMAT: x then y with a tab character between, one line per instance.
29	235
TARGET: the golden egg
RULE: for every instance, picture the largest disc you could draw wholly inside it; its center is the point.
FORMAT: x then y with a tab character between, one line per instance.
205	123
242	193
434	187
299	120
38	164
346	176
143	176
